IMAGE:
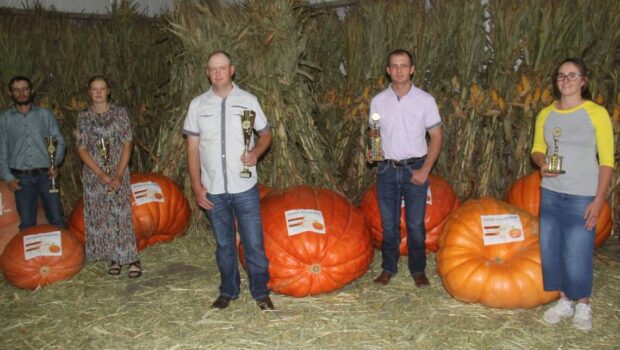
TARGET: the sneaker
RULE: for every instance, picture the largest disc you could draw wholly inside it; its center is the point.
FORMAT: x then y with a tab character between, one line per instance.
583	317
562	309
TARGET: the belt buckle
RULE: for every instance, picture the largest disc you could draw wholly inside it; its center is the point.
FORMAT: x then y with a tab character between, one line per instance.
394	163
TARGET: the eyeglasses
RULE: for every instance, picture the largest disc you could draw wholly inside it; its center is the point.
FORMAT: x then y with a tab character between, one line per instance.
570	76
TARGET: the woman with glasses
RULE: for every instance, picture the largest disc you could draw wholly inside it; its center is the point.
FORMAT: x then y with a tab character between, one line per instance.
104	142
574	149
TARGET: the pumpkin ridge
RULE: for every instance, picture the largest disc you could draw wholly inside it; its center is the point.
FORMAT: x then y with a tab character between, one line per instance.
325	247
288	282
288	248
341	236
465	272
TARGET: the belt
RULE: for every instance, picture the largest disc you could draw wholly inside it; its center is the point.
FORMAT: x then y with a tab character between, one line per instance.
35	171
398	163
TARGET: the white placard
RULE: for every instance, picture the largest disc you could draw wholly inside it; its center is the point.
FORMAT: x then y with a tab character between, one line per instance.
498	229
147	192
304	220
42	244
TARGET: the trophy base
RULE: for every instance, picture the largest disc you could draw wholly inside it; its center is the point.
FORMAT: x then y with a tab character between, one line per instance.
245	174
377	159
548	171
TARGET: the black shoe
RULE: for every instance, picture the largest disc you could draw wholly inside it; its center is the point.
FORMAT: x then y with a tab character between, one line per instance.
265	303
221	302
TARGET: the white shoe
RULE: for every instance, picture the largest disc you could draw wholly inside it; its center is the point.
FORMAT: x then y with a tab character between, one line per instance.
583	317
562	309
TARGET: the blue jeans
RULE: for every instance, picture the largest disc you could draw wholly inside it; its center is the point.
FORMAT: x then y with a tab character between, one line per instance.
566	247
244	207
394	185
26	198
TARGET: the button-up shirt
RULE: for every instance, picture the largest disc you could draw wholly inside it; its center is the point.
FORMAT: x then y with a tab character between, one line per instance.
404	121
22	140
217	122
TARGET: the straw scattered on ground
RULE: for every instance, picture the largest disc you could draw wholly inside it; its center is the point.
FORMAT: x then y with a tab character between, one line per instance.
168	308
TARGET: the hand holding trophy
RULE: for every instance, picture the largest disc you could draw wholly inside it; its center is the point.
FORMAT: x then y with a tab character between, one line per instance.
247	127
376	152
554	161
103	147
52	143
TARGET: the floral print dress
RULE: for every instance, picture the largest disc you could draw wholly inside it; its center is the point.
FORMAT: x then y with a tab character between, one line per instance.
107	215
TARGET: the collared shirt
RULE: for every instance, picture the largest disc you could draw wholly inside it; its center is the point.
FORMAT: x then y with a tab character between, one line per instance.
217	122
585	140
22	140
404	121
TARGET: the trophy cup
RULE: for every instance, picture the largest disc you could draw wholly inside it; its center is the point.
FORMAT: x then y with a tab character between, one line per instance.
376	153
51	143
555	160
247	122
103	147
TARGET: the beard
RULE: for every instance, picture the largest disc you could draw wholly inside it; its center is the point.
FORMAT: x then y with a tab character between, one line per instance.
23	101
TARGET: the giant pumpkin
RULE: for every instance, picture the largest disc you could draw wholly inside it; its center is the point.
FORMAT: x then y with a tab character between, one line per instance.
441	202
525	194
506	275
309	262
30	272
154	221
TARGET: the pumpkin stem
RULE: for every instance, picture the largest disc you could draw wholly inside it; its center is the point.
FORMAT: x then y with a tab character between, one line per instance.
316	268
44	271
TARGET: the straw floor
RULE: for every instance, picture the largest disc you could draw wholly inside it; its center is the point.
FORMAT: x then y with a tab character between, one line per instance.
168	308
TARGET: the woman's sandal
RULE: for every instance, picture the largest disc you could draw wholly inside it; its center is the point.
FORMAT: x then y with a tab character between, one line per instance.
114	268
135	273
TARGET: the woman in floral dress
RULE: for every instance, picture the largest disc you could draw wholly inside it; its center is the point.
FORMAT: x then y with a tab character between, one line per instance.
107	191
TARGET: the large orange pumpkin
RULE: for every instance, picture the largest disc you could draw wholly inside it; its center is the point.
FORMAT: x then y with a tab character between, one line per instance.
41	270
310	263
443	200
525	194
507	275
153	222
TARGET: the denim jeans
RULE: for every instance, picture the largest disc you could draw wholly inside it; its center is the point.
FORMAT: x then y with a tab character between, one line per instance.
566	247
244	207
26	198
394	185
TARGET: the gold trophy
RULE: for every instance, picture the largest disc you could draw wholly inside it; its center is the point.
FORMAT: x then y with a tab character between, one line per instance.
247	122
554	161
376	153
52	144
103	147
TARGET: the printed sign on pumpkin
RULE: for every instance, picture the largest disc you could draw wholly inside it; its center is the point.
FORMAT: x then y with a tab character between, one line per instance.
147	192
304	220
498	229
42	244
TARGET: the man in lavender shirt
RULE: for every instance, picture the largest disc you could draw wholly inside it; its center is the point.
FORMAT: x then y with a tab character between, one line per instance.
407	114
